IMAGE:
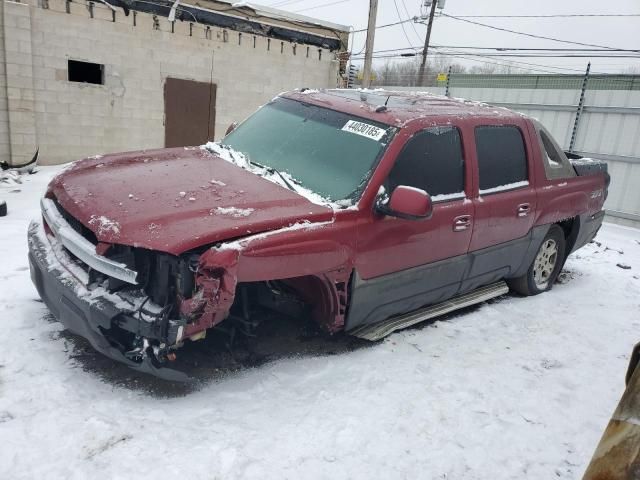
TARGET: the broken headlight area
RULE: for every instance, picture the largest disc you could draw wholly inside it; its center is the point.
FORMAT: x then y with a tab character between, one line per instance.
159	323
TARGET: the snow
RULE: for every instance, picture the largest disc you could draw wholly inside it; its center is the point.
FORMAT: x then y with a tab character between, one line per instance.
508	186
10	177
233	211
308	91
104	224
517	388
237	158
243	242
448	196
584	161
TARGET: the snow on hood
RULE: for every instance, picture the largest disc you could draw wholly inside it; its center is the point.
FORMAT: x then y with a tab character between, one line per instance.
173	200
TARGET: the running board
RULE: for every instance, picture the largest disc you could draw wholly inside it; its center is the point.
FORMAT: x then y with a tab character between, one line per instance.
386	327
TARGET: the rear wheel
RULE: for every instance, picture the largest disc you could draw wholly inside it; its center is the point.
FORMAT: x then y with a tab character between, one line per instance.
546	265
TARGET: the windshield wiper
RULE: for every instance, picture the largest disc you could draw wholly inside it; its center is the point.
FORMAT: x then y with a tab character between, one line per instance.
277	172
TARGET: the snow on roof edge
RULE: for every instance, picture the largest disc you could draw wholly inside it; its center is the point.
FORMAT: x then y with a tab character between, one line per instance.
278	14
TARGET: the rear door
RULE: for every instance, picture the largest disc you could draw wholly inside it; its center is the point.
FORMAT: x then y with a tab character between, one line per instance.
505	201
401	264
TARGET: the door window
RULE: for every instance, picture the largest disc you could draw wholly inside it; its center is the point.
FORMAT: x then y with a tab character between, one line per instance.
432	160
502	160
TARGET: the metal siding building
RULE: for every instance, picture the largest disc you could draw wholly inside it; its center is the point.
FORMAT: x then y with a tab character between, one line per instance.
608	124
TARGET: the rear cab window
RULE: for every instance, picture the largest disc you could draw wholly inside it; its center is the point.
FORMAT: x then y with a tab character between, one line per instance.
502	158
432	160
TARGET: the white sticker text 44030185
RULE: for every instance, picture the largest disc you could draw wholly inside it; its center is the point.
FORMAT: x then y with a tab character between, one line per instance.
364	129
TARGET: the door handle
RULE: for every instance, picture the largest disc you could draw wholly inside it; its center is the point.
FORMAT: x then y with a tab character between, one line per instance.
524	209
461	223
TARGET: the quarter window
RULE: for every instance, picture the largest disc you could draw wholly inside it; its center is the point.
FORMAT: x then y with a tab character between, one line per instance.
502	161
431	160
556	165
553	157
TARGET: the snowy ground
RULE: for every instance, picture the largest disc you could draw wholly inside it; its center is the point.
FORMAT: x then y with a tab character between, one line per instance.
518	388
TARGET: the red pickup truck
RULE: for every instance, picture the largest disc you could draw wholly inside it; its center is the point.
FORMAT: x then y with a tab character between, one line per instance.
367	210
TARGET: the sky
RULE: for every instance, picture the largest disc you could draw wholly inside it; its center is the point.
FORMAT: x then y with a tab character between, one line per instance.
616	32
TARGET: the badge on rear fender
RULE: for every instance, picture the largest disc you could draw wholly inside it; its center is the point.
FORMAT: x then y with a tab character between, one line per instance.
364	129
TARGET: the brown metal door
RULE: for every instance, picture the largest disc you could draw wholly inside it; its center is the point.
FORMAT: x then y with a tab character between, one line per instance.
189	112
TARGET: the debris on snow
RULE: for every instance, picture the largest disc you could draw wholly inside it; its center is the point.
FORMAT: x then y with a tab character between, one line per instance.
624	266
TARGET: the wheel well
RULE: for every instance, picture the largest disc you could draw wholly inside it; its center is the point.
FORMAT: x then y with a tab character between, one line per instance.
322	296
570	227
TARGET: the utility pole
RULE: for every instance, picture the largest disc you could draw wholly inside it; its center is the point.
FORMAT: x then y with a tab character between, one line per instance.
421	77
368	54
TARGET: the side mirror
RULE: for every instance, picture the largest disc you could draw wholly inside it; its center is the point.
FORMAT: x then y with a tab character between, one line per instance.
231	128
406	202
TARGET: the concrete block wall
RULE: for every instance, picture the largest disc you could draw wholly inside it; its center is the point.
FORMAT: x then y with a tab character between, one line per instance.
69	120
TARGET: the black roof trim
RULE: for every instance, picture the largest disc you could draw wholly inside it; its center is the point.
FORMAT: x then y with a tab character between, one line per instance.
188	13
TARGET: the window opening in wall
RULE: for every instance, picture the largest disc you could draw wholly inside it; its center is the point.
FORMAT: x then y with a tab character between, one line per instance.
86	72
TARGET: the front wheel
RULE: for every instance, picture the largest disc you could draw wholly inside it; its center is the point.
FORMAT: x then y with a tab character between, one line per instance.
545	266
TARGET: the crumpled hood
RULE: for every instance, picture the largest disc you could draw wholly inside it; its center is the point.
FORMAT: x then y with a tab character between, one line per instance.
173	200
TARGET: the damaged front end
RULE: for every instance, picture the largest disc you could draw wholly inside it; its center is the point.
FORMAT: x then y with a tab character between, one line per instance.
134	305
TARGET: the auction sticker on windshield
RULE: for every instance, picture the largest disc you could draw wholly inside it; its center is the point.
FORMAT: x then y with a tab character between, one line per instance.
364	129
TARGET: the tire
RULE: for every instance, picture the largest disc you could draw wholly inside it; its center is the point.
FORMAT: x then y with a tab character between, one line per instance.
545	267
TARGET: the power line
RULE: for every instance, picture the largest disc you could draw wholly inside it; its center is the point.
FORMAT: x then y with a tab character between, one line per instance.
501	49
506	52
513	63
385	25
568	15
528	34
402	24
320	6
413	24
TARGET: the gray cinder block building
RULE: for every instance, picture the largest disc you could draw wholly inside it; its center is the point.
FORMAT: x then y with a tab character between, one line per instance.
80	77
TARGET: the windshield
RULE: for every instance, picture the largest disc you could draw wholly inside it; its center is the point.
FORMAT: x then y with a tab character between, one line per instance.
331	153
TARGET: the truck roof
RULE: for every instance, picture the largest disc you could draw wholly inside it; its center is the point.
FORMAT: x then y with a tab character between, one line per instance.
402	107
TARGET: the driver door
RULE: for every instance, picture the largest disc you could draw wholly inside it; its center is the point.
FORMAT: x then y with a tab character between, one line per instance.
402	264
